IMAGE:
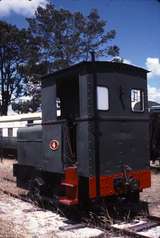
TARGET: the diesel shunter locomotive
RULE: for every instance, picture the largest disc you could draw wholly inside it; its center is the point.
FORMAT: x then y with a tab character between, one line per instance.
93	141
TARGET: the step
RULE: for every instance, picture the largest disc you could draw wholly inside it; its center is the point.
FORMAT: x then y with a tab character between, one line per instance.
68	202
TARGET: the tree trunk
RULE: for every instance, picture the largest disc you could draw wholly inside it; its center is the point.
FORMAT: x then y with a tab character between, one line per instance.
4	109
5	103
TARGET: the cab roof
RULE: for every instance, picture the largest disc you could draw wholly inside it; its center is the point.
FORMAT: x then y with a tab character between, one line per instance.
93	67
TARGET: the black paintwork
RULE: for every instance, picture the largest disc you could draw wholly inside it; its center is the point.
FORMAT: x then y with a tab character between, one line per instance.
8	147
155	134
98	142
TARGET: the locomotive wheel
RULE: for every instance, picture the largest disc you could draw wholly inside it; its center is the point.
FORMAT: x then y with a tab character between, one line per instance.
35	190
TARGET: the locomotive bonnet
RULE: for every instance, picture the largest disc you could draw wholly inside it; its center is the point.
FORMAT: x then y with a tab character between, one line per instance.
94	140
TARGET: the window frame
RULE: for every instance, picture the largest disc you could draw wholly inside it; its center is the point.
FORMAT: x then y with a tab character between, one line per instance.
108	97
142	100
10	130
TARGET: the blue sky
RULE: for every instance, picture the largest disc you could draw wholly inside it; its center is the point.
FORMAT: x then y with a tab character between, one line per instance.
136	23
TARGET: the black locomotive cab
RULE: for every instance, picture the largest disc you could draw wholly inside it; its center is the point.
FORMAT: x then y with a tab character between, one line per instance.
94	140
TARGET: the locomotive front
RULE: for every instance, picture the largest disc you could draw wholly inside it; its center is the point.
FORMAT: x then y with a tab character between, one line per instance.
95	140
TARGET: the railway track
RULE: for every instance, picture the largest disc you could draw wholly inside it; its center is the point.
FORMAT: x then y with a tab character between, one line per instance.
13	193
141	228
9	179
148	227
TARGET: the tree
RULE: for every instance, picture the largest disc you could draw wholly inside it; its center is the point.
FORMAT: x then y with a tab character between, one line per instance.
12	51
32	104
65	38
26	106
59	38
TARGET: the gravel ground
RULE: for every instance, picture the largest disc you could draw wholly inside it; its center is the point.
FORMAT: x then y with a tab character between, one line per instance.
26	220
23	220
152	195
19	219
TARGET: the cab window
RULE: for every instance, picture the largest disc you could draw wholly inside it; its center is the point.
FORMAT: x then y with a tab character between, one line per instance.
137	100
102	98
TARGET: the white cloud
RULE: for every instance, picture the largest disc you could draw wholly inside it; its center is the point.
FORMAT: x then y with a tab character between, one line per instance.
154	94
153	65
22	7
126	61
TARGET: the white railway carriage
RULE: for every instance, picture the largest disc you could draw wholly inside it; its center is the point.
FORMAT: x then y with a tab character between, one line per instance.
8	130
10	124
